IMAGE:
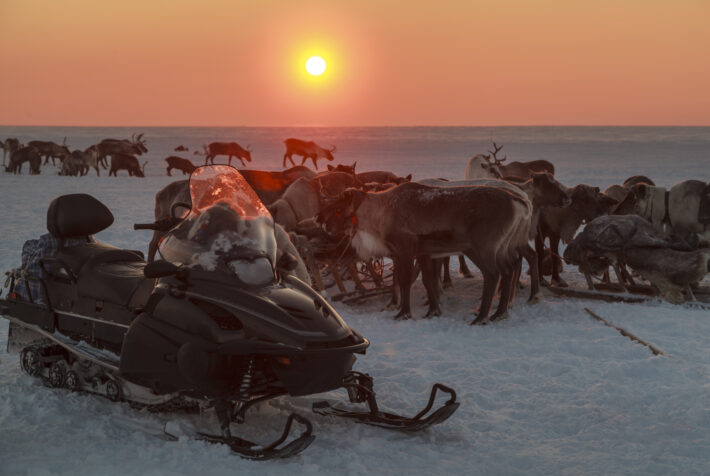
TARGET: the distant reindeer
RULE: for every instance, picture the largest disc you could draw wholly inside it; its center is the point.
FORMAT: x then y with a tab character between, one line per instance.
480	166
22	155
230	149
307	150
50	150
180	148
8	147
79	162
348	169
184	165
126	162
109	147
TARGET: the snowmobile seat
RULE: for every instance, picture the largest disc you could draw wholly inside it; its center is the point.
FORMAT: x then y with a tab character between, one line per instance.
101	271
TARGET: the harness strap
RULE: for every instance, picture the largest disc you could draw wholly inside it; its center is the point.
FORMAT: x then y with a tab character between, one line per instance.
667	216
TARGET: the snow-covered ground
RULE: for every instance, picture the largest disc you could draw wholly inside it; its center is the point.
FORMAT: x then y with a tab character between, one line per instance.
548	391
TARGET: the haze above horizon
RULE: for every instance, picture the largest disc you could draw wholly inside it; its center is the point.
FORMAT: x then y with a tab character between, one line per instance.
389	63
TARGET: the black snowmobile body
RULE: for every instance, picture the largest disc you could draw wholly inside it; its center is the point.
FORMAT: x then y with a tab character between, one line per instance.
231	330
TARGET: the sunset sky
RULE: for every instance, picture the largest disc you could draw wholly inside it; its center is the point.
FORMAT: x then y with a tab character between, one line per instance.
398	62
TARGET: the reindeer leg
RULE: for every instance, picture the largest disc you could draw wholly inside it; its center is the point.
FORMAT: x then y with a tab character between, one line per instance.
531	257
447	273
315	162
463	267
554	252
490	281
506	282
333	268
404	265
540	252
352	269
169	169
430	278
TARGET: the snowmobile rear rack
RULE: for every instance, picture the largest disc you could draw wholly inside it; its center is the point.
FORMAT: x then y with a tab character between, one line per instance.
360	389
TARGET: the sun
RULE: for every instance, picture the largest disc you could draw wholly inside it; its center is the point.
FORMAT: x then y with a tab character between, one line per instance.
315	65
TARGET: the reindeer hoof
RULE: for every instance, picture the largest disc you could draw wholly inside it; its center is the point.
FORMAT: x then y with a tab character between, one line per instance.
476	322
389	307
433	312
537	298
559	282
500	317
467	275
544	283
448	284
403	316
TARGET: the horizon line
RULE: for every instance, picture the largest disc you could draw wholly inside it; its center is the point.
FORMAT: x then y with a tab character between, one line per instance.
354	126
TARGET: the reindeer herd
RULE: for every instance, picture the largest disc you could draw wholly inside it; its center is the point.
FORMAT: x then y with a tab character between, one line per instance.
123	153
344	222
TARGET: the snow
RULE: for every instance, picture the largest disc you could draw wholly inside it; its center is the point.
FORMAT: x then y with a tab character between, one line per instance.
548	391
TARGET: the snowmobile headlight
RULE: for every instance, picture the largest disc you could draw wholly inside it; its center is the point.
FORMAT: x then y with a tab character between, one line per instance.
257	272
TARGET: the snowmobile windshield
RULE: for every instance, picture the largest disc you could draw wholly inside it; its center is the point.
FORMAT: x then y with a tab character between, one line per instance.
228	228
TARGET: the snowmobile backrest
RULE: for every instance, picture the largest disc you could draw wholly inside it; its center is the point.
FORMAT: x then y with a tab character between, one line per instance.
76	215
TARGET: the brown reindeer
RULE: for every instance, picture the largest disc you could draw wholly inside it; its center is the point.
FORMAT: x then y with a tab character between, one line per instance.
381	176
348	169
50	150
127	162
109	147
79	162
561	223
307	150
184	165
8	147
487	224
480	166
22	155
230	149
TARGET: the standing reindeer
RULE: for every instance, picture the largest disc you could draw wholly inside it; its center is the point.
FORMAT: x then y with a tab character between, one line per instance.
307	150
111	147
480	166
8	147
230	149
50	150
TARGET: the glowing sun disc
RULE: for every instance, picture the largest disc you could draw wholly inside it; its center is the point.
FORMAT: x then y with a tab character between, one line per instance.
315	65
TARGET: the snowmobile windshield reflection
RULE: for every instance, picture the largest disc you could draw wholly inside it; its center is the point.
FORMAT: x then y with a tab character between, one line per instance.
228	228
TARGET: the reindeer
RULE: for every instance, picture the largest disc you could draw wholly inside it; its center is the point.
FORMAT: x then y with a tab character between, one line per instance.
381	176
181	148
50	150
307	150
487	224
562	223
8	147
184	165
230	149
109	147
127	162
79	162
480	166
541	189
348	169
22	155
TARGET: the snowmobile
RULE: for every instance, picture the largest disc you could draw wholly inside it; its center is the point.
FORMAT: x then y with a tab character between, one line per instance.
218	321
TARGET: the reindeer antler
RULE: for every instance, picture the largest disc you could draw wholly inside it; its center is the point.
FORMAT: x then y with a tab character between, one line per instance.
249	147
494	153
332	150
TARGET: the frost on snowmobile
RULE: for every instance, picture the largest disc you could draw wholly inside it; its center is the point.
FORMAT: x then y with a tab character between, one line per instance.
217	322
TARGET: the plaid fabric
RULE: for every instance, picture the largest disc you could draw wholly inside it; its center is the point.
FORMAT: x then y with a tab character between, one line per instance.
29	287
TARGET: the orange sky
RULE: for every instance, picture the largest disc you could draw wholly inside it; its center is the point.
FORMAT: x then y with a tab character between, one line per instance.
398	62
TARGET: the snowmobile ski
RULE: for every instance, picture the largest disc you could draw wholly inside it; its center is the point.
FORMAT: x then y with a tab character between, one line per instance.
360	389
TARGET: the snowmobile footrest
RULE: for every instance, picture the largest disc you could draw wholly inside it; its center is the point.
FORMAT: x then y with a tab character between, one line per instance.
375	417
250	450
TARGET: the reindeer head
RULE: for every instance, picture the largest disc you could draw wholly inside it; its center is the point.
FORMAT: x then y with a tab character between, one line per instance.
548	191
247	153
139	143
337	218
329	153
